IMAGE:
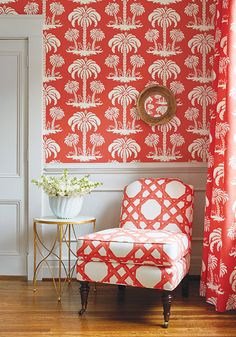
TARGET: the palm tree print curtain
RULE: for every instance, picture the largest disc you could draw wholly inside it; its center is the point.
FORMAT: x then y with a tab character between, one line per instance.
218	279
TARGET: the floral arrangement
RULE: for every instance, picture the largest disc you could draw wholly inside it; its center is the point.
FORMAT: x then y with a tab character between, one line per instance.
65	186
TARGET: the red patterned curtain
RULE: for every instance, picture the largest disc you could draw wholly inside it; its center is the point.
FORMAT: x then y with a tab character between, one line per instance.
218	279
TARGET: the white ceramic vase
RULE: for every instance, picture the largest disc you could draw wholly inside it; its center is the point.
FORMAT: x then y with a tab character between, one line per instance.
66	207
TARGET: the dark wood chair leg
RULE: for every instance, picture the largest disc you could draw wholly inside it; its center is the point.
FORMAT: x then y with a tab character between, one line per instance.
121	287
84	291
166	300
185	286
121	293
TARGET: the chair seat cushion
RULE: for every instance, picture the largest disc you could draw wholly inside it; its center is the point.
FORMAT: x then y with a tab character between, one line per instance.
142	247
166	278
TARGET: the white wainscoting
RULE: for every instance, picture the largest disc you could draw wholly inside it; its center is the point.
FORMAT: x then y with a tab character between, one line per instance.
104	203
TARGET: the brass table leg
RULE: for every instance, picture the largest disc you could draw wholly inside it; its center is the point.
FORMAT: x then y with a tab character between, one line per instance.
44	252
35	258
59	264
69	240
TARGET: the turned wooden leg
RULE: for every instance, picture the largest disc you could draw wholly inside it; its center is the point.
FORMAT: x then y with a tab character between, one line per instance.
185	286
121	293
166	300
84	291
121	287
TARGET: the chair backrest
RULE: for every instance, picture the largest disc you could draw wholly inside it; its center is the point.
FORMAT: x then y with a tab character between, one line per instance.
158	203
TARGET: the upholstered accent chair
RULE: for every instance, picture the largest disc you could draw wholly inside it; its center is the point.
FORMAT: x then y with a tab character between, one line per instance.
150	248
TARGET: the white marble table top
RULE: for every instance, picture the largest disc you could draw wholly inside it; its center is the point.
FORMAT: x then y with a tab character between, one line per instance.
52	219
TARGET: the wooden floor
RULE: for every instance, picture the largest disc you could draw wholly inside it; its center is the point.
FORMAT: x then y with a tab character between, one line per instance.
139	314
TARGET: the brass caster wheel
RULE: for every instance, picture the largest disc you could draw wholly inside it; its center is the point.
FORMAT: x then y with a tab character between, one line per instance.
81	312
165	325
59	299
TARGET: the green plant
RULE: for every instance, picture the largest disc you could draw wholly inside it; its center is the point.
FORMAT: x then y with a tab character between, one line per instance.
65	186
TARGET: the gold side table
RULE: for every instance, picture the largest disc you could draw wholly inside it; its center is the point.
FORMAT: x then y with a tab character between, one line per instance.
65	233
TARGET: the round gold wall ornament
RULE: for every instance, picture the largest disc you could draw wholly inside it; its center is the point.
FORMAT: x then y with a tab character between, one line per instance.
156	104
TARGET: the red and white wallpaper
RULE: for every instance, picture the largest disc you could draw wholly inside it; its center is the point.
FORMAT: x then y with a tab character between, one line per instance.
98	56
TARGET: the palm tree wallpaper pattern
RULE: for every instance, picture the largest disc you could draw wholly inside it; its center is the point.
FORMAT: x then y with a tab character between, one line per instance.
98	56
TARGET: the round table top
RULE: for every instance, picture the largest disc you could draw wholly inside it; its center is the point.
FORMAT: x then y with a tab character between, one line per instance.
51	219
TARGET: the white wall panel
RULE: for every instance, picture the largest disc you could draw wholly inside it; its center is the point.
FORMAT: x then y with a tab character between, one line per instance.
10	226
9	112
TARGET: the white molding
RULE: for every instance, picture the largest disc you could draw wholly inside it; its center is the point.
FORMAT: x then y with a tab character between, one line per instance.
23	17
121	190
30	28
106	171
110	168
18	238
20	26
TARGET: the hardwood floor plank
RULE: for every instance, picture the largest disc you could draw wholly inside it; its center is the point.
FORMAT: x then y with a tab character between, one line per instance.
24	313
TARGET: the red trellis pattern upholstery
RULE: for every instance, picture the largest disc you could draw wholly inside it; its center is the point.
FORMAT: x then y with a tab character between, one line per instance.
134	275
150	248
157	204
152	245
143	246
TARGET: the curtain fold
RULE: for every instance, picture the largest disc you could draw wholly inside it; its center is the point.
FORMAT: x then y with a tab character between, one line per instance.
218	276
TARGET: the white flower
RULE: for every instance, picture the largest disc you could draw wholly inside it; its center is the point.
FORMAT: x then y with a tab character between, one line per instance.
65	186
